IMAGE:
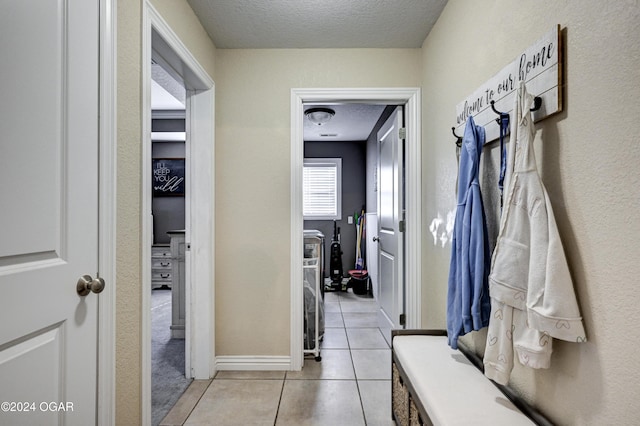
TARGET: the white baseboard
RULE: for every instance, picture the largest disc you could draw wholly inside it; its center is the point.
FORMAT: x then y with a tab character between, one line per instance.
253	363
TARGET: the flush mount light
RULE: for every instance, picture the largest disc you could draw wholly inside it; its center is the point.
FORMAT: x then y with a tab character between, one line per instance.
319	116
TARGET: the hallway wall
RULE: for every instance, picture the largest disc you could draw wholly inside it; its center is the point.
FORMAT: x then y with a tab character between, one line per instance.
588	157
129	157
253	137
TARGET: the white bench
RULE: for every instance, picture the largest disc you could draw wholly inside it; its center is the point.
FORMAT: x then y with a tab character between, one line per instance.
433	384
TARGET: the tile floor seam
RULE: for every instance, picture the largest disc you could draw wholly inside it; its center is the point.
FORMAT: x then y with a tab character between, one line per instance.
364	415
198	401
353	365
275	420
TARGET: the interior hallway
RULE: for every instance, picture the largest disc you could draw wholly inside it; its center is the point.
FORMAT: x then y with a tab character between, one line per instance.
350	386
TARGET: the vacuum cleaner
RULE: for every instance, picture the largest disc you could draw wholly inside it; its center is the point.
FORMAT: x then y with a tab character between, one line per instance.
335	260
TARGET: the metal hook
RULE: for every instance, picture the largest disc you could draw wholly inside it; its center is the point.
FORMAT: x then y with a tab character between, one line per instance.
497	112
458	138
537	103
494	108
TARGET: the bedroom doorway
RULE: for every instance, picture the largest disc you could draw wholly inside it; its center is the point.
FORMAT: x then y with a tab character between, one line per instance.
162	46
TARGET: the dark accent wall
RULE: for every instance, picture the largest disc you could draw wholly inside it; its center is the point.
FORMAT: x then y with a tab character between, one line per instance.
168	212
354	191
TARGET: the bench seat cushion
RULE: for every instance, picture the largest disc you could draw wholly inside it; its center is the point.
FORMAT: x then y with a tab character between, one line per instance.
451	389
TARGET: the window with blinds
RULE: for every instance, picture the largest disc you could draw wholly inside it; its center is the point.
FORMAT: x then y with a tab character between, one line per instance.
322	189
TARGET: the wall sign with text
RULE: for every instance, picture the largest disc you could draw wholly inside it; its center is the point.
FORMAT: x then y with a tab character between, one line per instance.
539	66
168	176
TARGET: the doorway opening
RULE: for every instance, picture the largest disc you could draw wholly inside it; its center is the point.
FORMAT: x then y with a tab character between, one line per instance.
341	214
162	46
169	378
300	100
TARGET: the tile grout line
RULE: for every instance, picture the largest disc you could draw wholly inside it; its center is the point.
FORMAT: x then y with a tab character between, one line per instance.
280	399
353	365
192	408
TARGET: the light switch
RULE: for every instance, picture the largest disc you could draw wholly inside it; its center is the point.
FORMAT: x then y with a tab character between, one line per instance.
350	220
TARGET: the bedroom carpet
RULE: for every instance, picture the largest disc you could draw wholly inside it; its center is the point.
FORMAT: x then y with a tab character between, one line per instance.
167	358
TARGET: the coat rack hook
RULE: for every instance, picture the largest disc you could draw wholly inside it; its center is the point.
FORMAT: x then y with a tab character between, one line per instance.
537	103
494	108
458	138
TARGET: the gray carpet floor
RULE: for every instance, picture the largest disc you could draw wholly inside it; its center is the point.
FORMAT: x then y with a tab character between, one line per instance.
167	358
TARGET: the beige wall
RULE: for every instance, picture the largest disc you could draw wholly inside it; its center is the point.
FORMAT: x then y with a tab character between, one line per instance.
588	157
253	137
128	298
128	316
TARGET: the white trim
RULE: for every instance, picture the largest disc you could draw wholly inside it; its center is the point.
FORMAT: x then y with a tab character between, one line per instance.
146	240
297	223
107	214
202	231
413	206
410	97
253	363
199	200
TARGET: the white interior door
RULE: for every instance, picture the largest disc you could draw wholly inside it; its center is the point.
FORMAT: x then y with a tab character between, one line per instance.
390	216
372	251
49	214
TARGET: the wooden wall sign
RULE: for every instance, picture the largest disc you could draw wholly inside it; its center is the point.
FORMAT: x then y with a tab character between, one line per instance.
540	66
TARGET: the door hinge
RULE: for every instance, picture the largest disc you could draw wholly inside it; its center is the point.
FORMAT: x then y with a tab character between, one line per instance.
402	133
401	226
403	319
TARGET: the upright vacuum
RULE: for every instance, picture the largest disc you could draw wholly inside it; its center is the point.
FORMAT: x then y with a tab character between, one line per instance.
335	260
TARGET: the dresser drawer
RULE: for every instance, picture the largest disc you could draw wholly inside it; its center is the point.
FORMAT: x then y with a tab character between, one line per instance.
161	252
161	263
161	276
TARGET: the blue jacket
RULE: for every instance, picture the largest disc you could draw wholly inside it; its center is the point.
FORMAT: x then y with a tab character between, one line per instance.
468	302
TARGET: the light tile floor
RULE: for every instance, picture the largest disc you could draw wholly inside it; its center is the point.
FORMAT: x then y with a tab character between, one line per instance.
350	386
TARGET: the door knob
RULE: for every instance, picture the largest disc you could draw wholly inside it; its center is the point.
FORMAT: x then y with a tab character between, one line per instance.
376	239
86	285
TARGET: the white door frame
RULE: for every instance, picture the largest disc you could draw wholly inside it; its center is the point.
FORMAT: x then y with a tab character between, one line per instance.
199	202
107	214
410	98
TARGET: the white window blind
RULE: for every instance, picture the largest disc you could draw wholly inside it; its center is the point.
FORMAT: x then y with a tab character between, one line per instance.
322	192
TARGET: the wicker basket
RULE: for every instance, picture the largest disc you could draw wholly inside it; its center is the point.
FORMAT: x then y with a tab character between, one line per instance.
414	414
399	398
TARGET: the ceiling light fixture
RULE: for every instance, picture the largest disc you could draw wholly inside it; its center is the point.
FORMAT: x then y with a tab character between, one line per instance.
319	116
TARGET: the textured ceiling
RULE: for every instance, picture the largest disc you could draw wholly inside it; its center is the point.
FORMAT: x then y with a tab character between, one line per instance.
352	122
166	91
260	24
276	24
